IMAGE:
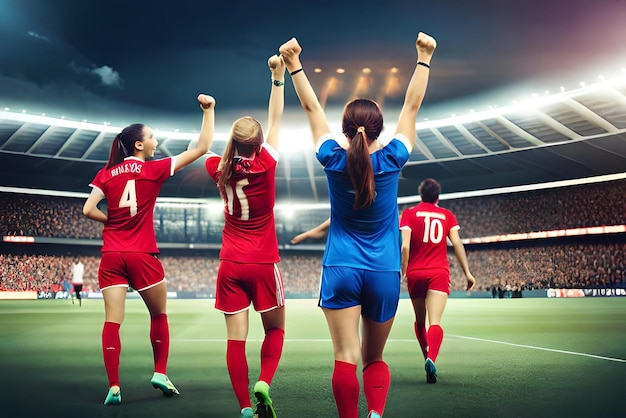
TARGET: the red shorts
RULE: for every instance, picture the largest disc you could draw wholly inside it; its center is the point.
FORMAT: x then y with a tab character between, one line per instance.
238	284
140	271
421	281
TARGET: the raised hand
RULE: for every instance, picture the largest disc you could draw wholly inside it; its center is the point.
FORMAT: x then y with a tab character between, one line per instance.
206	101
290	51
425	45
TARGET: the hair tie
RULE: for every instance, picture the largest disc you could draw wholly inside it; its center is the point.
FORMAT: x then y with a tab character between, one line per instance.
361	129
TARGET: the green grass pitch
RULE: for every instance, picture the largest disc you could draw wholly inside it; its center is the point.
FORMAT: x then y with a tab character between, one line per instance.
500	358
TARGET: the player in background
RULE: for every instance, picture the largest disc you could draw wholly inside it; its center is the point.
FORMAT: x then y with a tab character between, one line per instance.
425	228
248	271
130	183
361	264
78	271
68	288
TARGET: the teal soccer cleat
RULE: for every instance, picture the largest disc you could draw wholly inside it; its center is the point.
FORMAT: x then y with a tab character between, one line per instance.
161	381
114	397
431	371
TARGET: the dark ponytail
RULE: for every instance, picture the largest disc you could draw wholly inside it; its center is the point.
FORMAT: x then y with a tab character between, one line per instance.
124	144
362	123
361	172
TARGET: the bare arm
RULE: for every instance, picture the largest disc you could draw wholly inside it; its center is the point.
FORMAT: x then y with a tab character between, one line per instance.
277	100
90	208
406	247
416	89
461	256
318	232
290	51
207	104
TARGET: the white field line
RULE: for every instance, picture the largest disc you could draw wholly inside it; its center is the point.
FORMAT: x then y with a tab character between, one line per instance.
391	340
574	353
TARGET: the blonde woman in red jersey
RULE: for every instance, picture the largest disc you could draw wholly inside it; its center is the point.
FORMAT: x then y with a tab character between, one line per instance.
425	228
130	183
248	271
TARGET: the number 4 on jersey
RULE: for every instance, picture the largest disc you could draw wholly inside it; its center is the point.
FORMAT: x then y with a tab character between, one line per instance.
129	198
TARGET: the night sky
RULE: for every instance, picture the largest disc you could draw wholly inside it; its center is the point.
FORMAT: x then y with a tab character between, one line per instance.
132	59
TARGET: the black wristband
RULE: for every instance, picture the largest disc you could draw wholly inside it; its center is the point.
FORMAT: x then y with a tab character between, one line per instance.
294	72
423	64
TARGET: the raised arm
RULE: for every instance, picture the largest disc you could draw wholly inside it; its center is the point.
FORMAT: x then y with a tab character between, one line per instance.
416	89
290	51
461	256
207	104
277	100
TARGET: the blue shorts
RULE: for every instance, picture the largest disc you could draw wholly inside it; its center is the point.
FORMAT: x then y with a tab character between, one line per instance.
377	292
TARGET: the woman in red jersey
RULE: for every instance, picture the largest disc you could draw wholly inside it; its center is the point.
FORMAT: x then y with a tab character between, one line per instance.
425	228
248	270
130	183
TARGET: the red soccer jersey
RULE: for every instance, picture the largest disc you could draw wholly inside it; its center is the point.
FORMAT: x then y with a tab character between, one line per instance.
131	189
249	234
430	226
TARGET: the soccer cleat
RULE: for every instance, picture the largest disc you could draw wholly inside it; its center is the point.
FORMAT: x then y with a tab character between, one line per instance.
161	381
373	414
114	397
431	371
264	407
247	413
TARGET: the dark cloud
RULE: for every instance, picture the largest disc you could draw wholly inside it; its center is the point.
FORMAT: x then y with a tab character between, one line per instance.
156	56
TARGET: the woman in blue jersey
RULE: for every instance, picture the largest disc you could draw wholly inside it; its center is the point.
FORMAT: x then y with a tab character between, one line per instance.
361	264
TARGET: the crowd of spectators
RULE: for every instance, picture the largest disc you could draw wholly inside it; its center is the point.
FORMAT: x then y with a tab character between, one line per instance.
549	266
596	204
579	206
524	267
43	272
45	216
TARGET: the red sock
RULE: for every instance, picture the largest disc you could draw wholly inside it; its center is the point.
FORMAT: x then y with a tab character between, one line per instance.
376	381
420	333
111	349
160	339
237	365
271	350
435	337
346	389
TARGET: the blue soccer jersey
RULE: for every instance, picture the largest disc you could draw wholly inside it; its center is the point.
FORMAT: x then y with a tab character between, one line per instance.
368	238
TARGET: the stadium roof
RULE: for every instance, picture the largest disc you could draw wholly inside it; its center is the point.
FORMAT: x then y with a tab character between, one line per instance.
571	135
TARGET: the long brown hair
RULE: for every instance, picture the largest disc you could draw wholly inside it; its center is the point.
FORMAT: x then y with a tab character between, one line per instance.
124	143
246	137
362	123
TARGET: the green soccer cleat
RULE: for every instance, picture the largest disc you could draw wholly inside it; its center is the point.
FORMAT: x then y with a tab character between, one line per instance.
114	397
431	371
161	381
247	413
264	407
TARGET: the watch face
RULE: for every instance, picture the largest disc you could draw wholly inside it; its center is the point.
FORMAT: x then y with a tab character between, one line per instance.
278	83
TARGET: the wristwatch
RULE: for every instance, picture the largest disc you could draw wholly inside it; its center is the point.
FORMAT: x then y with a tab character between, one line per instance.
278	83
